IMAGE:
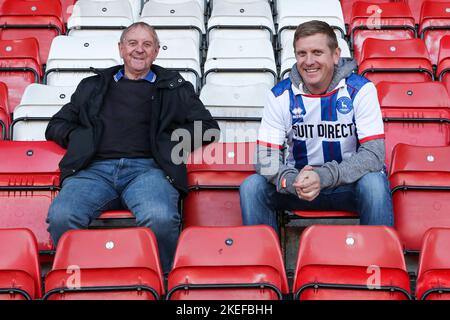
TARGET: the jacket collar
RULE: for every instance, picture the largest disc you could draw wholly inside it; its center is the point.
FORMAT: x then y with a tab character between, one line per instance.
164	78
150	77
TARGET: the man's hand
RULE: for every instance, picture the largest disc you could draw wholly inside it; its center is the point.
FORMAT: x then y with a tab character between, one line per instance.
307	184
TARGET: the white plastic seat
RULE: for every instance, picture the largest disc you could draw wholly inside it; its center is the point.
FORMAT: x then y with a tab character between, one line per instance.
288	56
39	103
70	58
201	3
99	18
291	13
182	55
185	19
240	62
247	19
235	102
136	7
239	131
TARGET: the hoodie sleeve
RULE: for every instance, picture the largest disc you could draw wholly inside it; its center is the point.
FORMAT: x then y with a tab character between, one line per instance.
270	147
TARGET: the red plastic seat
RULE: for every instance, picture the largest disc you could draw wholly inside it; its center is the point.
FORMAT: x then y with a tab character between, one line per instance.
416	7
4	112
40	19
116	214
67	8
223	263
420	184
19	66
29	180
324	214
350	262
443	68
414	113
114	219
106	264
215	173
389	21
20	275
395	61
348	4
434	24
433	279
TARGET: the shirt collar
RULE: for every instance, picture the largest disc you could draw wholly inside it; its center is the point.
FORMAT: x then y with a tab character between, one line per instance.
150	77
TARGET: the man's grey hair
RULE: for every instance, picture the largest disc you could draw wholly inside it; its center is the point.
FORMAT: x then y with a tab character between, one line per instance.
140	25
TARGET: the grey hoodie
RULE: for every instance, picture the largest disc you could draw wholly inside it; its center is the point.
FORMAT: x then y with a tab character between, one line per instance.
369	157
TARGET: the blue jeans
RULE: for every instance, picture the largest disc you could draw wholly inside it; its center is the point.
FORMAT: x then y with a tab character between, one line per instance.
369	196
135	184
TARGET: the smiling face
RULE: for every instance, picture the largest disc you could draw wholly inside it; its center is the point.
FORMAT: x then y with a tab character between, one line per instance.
138	50
315	62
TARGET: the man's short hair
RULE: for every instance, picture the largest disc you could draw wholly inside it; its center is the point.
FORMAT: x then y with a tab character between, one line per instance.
313	27
140	25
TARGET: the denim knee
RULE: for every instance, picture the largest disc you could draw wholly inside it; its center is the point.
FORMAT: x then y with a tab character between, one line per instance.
62	218
252	186
158	216
373	185
374	199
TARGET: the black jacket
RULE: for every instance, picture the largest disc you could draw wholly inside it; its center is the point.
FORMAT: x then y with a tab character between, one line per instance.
78	128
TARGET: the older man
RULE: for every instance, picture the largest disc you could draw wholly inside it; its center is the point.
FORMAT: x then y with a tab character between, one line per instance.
331	121
118	129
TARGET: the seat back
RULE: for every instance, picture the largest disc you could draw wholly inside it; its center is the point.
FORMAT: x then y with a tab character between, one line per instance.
182	55
41	19
347	6
249	19
387	21
335	260
414	113
290	15
99	18
211	260
4	111
443	68
215	173
67	8
434	24
29	179
416	7
71	58
20	273
434	266
20	65
118	262
395	61
240	62
184	18
419	179
39	103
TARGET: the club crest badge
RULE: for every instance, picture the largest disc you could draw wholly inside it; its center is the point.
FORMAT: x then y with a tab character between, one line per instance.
344	105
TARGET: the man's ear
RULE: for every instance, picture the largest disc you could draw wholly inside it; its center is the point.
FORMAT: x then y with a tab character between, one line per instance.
337	55
119	46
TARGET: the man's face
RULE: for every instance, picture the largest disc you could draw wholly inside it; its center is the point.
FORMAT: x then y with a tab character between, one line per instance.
138	52
315	62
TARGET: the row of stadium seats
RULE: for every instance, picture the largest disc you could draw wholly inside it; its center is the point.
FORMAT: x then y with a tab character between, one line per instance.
29	181
413	113
388	20
222	263
240	69
229	62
